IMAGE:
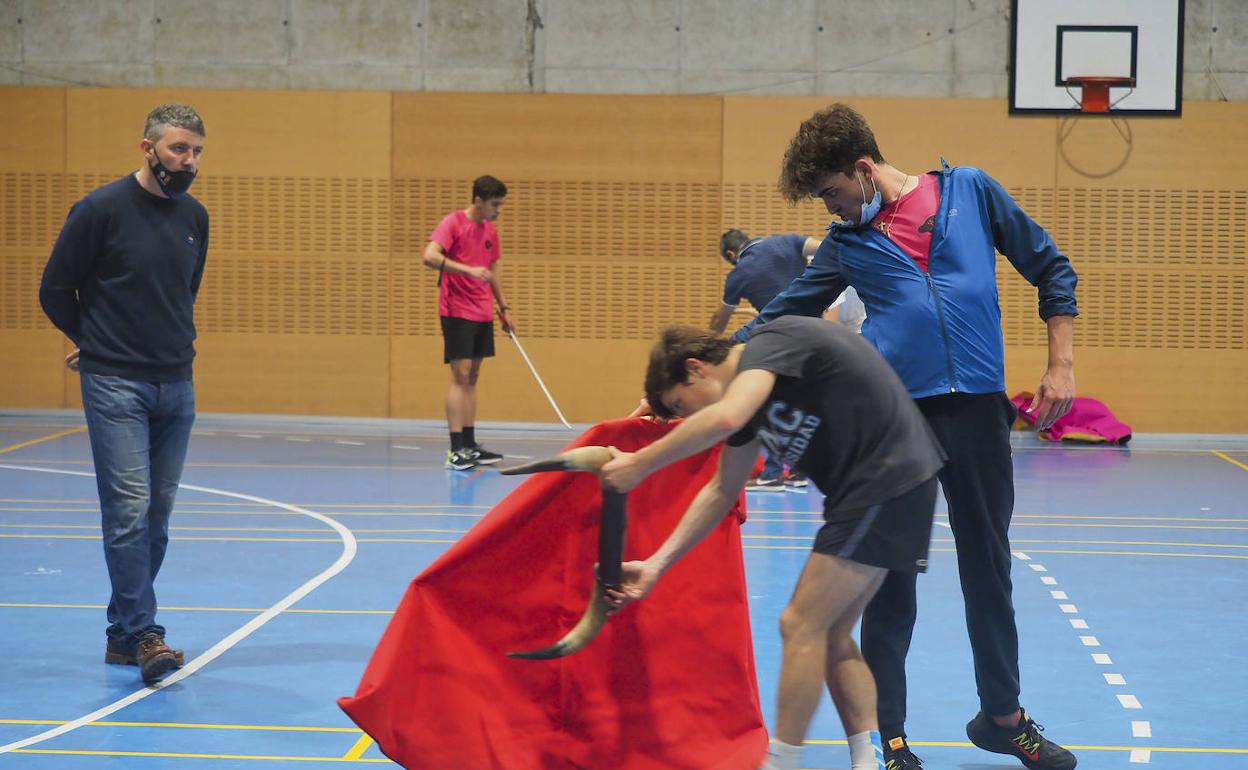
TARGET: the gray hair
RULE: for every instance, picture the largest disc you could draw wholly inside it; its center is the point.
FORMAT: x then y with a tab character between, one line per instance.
167	116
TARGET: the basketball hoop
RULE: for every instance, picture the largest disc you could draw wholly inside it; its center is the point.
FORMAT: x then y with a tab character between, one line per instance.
1095	91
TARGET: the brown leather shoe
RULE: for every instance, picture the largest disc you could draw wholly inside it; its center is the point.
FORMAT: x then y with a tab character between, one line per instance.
155	658
117	654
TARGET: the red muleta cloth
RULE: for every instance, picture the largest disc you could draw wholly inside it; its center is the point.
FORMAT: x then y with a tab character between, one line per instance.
669	684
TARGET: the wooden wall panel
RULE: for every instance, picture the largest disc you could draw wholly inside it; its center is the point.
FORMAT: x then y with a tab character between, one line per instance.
591	380
278	373
33	205
34	362
315	301
913	134
32	129
556	137
300	134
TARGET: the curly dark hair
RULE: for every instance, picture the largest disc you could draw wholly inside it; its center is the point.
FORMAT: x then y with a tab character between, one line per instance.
829	141
676	345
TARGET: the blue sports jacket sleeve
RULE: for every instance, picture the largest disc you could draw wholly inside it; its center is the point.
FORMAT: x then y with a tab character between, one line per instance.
1032	252
809	294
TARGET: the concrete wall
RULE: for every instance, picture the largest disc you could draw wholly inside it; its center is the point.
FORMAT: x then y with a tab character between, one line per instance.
900	48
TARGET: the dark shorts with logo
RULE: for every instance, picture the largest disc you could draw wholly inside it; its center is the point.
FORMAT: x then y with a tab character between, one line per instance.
462	338
894	534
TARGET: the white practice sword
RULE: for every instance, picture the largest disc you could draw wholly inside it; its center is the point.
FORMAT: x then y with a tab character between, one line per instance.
538	377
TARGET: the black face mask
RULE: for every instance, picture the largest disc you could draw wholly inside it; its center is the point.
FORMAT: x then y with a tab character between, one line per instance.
172	183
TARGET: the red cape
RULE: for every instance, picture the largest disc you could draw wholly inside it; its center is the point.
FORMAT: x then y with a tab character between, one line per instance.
669	683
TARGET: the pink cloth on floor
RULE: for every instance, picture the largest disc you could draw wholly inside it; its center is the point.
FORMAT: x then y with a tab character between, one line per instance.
1088	420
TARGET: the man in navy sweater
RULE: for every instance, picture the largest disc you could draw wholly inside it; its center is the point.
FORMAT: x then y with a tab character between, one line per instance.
121	284
921	251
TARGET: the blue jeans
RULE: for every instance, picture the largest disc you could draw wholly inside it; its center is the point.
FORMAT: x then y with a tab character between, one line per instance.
139	434
773	468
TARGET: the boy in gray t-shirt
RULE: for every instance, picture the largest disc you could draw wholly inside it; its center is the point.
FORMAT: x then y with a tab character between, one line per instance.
824	400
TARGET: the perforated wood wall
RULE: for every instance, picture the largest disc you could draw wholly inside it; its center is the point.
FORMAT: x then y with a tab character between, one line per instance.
315	300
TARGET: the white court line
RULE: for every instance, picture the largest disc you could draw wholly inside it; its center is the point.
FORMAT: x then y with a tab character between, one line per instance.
403	446
300	440
248	435
1139	729
349	443
218	649
1021	556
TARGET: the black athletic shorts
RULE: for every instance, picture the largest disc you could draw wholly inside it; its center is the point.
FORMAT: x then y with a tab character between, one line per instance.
462	338
894	534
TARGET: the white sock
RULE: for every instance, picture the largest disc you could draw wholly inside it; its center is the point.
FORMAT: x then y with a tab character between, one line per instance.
782	756
866	751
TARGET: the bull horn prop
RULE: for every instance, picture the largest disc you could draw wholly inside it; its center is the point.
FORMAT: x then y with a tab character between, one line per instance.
610	549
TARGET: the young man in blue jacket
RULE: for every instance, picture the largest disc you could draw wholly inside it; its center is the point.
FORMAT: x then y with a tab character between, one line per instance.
921	251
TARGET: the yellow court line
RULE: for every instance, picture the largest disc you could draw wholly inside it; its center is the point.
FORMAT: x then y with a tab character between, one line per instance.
1072	747
190	725
32	525
223	504
273	758
173	755
45	606
1122	526
222	539
1016	541
434	540
1035	550
288	466
1229	459
817	516
181	511
34	441
359	748
1049	524
363	737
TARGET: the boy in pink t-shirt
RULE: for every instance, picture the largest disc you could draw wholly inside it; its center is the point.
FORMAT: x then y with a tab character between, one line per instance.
463	248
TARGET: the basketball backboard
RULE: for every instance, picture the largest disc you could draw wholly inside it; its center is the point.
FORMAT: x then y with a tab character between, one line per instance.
1053	43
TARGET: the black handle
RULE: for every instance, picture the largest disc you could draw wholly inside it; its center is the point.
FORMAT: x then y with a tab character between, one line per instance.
611	538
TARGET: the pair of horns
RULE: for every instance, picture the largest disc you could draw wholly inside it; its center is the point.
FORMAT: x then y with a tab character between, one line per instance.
613	523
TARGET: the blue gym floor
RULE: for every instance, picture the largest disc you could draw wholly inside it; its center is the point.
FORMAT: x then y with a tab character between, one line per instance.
293	541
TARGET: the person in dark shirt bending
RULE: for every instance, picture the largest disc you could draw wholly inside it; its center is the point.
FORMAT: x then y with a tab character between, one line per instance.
821	398
121	284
